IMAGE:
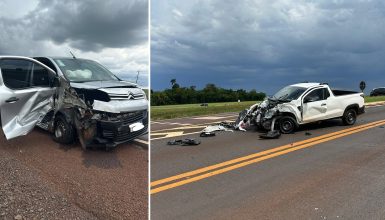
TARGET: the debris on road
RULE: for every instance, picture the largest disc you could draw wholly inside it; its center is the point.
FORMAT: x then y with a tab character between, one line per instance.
207	134
185	142
271	135
210	130
226	124
308	133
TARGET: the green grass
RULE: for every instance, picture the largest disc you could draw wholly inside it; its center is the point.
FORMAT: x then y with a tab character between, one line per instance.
374	99
177	111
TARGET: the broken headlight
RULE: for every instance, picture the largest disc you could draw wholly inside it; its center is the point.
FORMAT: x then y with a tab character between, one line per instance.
270	113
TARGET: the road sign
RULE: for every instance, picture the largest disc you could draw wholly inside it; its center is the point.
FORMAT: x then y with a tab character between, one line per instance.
362	85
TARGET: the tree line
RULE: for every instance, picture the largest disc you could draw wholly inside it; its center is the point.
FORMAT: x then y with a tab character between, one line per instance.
210	93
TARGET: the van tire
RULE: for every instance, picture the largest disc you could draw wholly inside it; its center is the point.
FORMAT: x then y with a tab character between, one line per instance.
349	117
287	125
63	132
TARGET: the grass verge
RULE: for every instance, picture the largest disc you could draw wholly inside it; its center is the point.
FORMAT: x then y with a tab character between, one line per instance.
177	111
369	99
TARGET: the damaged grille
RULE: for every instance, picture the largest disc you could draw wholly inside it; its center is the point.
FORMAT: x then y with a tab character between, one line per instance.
126	96
123	135
127	118
116	127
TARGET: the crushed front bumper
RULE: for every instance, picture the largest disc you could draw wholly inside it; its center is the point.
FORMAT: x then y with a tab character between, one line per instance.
113	132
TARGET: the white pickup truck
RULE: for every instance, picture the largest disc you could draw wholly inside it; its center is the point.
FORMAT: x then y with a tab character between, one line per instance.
304	103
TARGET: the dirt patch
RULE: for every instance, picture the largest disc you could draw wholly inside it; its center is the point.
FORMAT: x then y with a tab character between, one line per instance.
71	182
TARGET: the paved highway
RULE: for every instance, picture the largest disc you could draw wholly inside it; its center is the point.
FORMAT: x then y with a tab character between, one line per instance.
322	171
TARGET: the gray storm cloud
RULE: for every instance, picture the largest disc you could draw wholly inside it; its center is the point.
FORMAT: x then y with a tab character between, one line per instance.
91	25
267	44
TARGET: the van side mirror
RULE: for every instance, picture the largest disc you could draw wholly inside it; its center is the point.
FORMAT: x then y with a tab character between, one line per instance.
54	82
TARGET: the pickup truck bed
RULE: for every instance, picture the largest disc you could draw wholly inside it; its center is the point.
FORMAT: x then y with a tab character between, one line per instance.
337	92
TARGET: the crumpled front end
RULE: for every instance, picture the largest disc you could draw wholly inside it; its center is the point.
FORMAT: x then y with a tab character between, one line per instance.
267	112
103	119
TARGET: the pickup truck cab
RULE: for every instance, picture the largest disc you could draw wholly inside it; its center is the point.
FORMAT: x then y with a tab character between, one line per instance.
72	98
305	103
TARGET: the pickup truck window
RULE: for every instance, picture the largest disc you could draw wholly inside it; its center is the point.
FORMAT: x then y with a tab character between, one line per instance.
81	70
289	93
317	95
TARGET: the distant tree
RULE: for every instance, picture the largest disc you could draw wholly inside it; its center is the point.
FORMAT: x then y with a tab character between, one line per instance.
173	81
175	86
210	93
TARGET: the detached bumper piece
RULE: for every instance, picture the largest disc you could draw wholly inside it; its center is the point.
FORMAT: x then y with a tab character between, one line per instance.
270	135
120	128
361	110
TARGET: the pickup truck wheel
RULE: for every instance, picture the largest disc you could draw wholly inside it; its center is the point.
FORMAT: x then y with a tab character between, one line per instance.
63	131
349	117
287	125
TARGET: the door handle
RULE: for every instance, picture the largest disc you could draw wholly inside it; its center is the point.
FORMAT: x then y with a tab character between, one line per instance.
323	104
12	100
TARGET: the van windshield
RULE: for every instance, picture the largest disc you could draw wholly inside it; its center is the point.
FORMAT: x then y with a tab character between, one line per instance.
289	93
81	70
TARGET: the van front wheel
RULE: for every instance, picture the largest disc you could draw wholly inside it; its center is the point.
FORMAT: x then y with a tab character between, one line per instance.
63	131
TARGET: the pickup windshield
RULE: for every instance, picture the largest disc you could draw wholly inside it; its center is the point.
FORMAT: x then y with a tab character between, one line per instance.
289	93
81	70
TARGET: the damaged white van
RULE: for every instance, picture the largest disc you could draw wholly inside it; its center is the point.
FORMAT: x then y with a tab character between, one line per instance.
72	98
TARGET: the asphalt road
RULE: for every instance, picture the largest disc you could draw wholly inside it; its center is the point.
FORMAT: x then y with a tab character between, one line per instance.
40	179
322	171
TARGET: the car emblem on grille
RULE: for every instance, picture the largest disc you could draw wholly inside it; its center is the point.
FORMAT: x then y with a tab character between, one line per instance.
130	95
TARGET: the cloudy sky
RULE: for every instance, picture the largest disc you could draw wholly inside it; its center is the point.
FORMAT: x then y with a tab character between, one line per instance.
265	45
114	32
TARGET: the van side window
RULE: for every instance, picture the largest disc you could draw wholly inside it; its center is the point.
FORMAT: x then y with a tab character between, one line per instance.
40	76
16	73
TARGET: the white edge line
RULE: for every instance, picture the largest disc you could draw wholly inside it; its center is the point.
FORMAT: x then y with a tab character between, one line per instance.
141	141
176	136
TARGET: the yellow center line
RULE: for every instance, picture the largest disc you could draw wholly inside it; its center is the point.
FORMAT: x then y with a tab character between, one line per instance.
264	155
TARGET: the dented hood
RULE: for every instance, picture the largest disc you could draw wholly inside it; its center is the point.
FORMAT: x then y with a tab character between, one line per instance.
103	84
122	96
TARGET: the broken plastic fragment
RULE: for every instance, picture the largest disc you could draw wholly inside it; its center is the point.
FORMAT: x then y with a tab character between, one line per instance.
184	142
271	135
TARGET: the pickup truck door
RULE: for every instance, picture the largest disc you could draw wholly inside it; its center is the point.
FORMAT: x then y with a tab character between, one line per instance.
315	105
27	89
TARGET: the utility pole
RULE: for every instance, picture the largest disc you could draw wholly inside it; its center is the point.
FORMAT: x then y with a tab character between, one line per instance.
137	77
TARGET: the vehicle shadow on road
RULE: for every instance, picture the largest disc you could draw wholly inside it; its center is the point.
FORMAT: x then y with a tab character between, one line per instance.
321	124
100	158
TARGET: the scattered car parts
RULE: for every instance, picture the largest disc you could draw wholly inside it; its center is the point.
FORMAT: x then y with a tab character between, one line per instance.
185	142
